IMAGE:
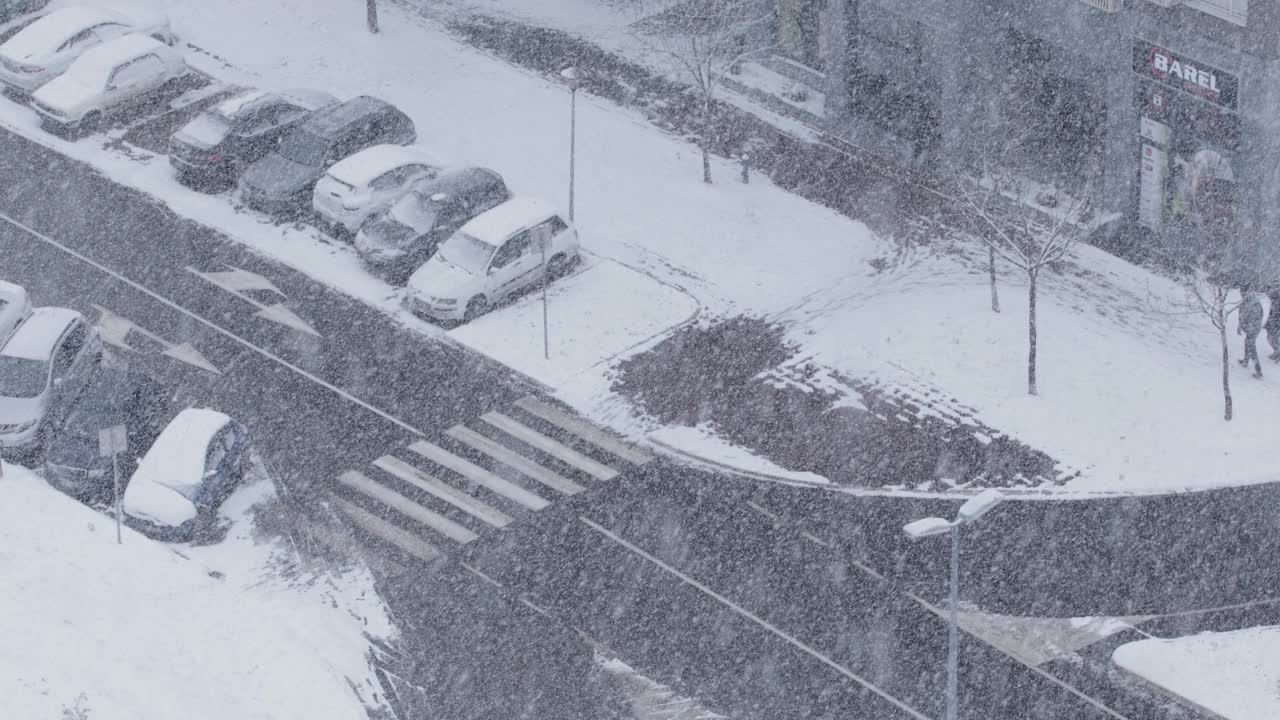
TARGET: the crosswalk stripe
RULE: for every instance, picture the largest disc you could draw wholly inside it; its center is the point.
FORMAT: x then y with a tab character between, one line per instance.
584	430
514	460
549	446
413	545
451	495
392	499
477	474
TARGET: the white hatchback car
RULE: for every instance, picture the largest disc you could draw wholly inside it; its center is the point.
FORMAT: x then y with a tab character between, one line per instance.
104	80
43	368
491	258
15	306
360	186
46	48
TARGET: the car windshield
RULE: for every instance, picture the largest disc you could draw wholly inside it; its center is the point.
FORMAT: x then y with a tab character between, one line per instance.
415	211
208	128
22	378
101	406
467	252
304	148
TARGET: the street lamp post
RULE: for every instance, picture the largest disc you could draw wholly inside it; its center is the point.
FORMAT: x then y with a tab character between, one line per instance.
571	77
969	513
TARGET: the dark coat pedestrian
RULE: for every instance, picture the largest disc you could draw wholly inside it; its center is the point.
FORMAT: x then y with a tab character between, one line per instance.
1250	315
1272	326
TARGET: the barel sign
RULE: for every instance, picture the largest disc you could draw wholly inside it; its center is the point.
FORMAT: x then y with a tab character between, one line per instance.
1185	74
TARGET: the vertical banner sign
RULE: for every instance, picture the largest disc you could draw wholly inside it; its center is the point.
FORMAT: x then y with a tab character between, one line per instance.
1155	162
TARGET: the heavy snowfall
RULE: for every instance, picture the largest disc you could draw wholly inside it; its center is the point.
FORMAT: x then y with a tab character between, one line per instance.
639	359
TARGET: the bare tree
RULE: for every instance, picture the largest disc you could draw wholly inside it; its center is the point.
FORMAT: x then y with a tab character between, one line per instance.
706	39
1211	260
372	13
1018	237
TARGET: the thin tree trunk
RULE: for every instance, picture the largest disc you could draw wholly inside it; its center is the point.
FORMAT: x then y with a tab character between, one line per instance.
1031	334
706	138
991	267
373	15
1226	368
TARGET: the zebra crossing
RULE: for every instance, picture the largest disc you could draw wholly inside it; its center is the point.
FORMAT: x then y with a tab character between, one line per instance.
433	495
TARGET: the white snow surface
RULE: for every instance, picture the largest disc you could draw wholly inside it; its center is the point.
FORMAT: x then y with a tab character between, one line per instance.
141	632
1234	674
1129	393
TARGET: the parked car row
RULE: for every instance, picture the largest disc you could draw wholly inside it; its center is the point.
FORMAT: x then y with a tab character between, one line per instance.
455	237
57	393
80	65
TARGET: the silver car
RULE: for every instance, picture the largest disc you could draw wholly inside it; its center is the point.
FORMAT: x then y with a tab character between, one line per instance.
43	368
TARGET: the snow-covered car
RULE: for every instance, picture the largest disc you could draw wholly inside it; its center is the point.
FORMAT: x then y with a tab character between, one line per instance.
43	369
491	258
198	460
15	306
105	80
219	143
398	240
283	182
367	182
47	47
16	15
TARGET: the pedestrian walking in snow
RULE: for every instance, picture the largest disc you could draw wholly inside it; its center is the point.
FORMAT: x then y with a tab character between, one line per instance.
1250	325
1273	324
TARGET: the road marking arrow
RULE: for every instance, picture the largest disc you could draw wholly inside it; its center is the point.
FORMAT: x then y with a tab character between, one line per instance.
238	281
114	330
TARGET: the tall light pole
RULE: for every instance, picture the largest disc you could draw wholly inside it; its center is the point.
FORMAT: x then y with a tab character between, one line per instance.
571	77
969	513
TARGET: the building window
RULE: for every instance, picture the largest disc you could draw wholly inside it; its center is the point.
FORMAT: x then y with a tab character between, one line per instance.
1236	11
803	31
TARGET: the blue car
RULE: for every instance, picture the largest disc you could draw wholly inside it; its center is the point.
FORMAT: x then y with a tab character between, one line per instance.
195	464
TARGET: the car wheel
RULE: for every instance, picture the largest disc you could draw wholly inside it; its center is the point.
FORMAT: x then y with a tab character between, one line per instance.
477	307
558	267
91	123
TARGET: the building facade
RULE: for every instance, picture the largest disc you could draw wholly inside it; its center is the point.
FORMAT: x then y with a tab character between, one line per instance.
1163	115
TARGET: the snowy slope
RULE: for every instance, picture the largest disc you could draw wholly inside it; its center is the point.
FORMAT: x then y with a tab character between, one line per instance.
144	633
1234	674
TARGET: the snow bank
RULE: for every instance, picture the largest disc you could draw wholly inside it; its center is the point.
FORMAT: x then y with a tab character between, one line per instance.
702	443
1234	674
147	634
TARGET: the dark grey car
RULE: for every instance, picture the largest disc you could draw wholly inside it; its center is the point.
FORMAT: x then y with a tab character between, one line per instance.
115	396
219	143
281	183
395	242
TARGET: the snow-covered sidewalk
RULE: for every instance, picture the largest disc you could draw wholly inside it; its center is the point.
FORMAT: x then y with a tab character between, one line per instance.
1129	401
1234	675
143	631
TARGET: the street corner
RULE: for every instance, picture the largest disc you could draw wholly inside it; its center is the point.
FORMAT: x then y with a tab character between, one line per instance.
604	311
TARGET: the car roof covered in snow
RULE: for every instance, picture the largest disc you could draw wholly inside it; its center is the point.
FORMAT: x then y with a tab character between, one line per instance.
328	122
511	216
367	165
251	99
173	468
460	180
36	337
50	31
98	62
